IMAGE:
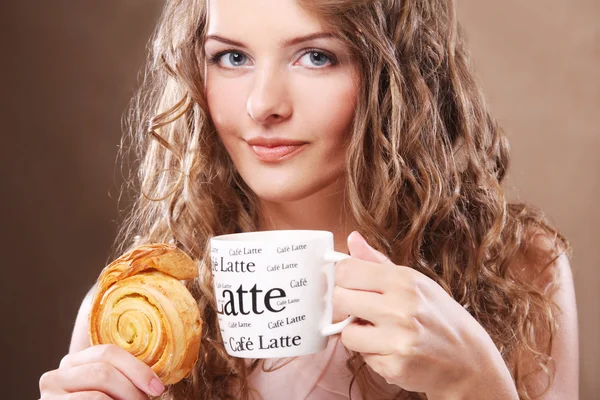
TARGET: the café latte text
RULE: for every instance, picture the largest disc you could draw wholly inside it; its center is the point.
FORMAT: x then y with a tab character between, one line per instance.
244	251
247	344
238	304
294	247
219	265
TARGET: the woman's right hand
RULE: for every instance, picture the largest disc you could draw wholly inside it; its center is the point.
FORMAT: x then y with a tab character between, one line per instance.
100	372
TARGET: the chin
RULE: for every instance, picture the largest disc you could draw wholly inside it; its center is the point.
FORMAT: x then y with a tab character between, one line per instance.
282	194
274	192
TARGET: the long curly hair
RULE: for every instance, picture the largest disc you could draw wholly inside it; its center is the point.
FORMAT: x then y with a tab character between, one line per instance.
425	165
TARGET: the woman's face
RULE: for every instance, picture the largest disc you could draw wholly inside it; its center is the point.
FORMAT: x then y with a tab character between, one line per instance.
282	94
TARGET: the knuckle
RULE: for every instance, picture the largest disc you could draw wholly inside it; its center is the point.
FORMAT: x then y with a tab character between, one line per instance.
414	284
342	271
414	291
410	316
419	285
405	350
401	347
416	318
107	352
408	349
46	379
65	361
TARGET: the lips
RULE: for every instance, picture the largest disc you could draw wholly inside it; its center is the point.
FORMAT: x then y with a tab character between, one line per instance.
275	149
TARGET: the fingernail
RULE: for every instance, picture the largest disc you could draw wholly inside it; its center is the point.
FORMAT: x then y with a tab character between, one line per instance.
156	387
361	237
354	233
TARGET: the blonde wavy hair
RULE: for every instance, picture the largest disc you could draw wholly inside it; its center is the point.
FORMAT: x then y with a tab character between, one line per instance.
424	170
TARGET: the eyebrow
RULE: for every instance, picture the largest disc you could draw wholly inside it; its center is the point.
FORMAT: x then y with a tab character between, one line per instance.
283	43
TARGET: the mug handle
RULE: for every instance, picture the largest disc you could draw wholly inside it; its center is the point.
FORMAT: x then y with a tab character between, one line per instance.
331	329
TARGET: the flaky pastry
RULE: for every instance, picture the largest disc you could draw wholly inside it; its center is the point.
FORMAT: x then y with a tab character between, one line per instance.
141	306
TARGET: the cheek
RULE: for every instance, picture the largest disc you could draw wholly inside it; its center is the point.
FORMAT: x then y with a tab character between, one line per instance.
328	107
226	101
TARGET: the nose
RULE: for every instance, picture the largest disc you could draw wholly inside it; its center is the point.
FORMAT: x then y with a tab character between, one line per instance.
268	101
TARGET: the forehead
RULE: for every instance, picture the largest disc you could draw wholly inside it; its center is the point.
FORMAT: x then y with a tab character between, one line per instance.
260	18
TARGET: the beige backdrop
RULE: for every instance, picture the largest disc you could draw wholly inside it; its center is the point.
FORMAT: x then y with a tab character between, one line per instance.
70	68
539	63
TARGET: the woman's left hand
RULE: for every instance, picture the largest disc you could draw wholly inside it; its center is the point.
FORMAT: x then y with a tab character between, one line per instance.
417	336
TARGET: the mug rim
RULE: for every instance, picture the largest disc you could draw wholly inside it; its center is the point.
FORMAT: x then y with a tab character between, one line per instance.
274	235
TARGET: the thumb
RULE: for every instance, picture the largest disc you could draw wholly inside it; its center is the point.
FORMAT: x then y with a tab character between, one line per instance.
359	248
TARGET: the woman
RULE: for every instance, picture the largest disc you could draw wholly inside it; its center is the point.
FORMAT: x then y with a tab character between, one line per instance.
343	116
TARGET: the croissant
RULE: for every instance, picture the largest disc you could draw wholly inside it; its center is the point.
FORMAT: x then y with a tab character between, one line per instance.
141	306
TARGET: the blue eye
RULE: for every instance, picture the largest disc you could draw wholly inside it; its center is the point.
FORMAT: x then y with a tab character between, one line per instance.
235	59
315	59
231	59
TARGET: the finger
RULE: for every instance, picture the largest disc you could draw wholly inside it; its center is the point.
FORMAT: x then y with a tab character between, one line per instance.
366	339
93	395
361	304
359	248
365	275
133	369
100	377
49	383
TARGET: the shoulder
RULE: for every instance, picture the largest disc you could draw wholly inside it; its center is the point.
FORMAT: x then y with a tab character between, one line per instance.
542	260
80	339
544	264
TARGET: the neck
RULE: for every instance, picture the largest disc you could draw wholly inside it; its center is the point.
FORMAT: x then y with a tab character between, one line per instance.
324	210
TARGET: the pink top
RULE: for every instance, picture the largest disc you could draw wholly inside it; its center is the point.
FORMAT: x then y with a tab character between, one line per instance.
313	377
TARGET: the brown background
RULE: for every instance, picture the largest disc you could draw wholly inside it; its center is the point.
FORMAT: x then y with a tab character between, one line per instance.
70	67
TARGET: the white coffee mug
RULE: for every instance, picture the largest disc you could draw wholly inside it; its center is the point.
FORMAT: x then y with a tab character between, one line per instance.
273	292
